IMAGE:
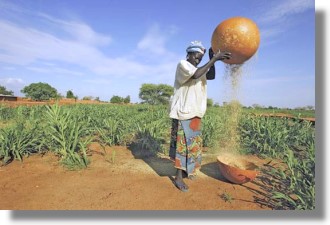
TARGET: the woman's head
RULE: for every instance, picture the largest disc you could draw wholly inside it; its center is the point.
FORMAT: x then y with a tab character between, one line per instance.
195	52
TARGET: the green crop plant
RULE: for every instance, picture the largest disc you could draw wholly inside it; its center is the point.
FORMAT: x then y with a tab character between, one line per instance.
6	113
17	141
226	197
292	142
212	131
70	137
110	158
150	137
299	191
68	130
264	136
110	133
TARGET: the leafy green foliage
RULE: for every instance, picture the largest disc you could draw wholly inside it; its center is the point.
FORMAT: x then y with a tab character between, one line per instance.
145	129
40	91
70	136
226	197
155	94
294	143
17	141
110	132
209	102
4	91
69	94
118	99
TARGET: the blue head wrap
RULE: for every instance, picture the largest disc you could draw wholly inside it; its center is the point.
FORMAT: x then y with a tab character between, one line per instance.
196	46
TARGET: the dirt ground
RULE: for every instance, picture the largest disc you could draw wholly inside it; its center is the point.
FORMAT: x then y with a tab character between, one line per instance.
126	183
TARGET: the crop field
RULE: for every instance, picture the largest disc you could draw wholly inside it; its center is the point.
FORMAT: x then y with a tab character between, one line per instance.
69	131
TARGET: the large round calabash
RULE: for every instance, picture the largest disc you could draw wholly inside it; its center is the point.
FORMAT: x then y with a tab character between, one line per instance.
237	35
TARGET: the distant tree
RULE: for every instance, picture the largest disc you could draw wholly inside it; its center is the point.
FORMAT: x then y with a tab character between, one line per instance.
156	94
88	98
310	107
256	106
97	99
116	99
69	94
209	102
4	91
127	99
40	91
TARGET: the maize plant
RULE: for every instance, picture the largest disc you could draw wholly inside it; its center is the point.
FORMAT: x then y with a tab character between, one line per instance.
150	137
68	130
70	137
264	136
293	187
110	133
6	113
17	141
299	191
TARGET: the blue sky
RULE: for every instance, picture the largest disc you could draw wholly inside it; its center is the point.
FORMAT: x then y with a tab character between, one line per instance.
102	48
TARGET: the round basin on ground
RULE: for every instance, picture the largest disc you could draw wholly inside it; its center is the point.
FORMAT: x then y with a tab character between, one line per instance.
237	169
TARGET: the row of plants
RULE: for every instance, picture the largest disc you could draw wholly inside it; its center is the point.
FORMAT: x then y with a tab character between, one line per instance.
293	183
68	130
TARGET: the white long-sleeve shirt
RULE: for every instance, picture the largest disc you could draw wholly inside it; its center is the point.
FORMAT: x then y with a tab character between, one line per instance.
190	95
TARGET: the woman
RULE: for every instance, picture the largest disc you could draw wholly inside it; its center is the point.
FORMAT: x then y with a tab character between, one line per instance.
188	106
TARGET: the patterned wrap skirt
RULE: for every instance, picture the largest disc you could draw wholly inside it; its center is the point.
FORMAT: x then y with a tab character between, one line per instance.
186	145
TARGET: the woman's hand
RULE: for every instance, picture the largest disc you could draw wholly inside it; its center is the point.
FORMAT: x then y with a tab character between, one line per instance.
219	55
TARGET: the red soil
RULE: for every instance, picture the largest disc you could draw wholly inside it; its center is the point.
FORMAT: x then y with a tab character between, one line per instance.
127	183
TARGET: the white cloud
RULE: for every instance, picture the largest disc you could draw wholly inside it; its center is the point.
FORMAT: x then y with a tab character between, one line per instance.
271	32
279	12
26	45
277	18
11	81
55	46
79	31
13	84
153	41
98	81
259	81
8	68
54	70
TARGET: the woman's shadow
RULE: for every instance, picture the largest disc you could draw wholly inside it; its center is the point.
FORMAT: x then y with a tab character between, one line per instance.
163	166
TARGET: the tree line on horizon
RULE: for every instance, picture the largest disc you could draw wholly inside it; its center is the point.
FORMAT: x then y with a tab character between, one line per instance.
153	94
